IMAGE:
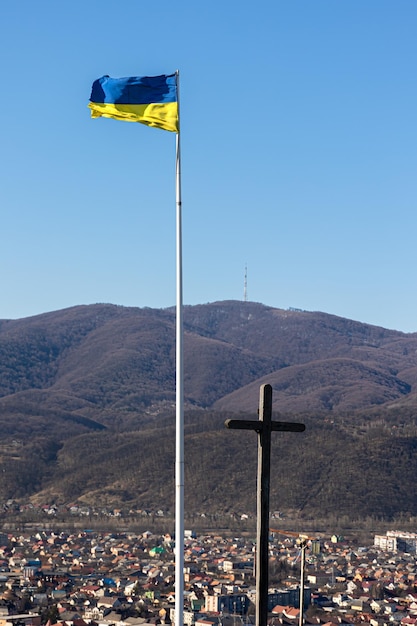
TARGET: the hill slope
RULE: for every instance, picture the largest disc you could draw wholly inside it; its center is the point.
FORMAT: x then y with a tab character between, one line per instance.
84	390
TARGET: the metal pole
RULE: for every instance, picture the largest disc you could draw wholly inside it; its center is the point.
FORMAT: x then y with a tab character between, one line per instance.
303	546
179	462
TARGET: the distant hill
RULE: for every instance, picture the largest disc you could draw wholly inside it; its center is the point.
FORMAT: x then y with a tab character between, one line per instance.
87	404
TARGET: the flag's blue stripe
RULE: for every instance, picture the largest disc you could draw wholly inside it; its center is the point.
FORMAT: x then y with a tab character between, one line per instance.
135	90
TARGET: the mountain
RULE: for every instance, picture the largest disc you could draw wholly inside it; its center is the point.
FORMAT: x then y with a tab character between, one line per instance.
87	399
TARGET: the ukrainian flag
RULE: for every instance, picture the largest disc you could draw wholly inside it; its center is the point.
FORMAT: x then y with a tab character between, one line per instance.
150	100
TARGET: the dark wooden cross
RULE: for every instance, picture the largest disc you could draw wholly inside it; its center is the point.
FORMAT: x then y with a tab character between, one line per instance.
263	426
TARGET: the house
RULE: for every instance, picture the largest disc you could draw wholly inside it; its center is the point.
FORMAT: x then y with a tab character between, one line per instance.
108	602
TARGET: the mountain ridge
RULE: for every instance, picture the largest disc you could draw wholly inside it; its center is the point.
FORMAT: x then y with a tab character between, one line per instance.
87	395
107	354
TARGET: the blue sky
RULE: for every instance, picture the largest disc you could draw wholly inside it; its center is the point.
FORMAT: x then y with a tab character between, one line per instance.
298	137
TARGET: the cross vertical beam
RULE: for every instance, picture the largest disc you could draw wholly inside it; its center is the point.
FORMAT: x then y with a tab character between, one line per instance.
262	518
263	426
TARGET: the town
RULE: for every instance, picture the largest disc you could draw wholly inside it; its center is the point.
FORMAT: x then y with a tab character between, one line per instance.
87	577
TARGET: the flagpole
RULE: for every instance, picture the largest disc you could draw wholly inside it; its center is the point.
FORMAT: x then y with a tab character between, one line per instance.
179	447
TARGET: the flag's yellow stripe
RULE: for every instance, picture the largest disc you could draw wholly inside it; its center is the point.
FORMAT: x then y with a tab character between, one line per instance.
159	115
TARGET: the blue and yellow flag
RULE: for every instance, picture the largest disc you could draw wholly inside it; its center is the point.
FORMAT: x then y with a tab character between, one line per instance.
150	100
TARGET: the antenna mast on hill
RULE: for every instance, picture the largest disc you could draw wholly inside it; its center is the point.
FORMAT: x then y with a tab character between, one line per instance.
245	285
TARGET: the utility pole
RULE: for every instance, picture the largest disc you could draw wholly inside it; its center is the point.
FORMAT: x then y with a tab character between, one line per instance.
303	541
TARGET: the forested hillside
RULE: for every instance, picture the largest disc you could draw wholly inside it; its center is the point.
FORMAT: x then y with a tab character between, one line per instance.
87	409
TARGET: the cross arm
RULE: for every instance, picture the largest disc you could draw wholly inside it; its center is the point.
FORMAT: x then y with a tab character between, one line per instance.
257	425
